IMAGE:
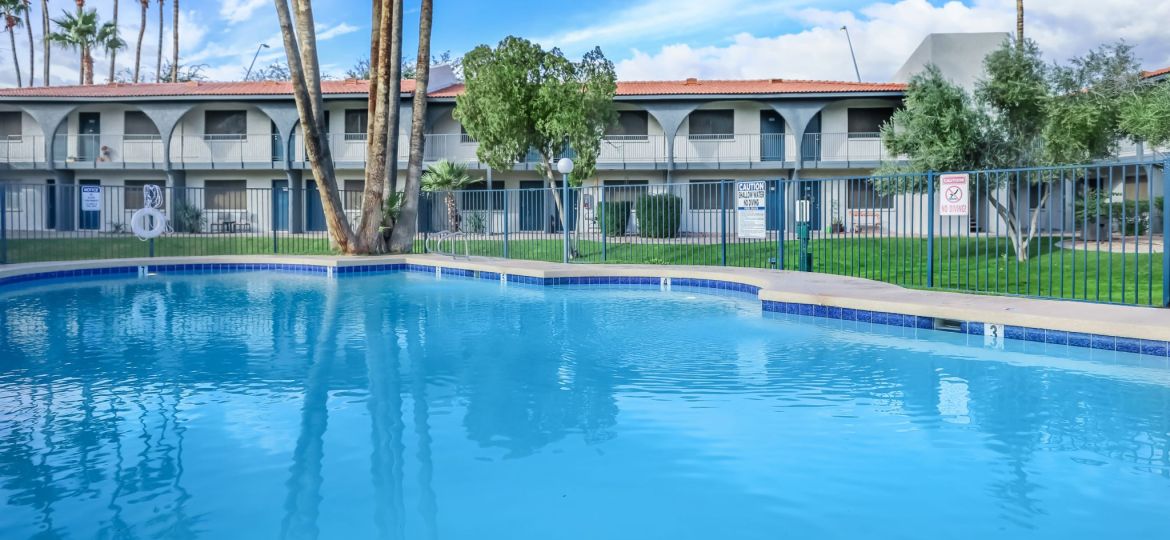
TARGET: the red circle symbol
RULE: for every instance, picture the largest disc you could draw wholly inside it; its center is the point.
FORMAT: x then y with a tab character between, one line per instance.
954	194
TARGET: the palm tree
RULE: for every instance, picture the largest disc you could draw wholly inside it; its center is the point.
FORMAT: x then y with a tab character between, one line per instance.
31	47
85	32
158	74
81	54
114	53
175	41
1020	23
10	10
447	176
402	238
141	34
45	42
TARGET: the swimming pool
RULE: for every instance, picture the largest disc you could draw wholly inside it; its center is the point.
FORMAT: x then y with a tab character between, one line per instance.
260	404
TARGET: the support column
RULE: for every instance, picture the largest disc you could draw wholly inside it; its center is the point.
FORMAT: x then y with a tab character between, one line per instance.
67	196
296	201
177	181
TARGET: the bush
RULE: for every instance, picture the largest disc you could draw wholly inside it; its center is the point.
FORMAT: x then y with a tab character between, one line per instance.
659	215
475	223
615	216
187	218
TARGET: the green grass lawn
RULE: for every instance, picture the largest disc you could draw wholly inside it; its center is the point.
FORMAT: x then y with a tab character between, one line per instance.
966	264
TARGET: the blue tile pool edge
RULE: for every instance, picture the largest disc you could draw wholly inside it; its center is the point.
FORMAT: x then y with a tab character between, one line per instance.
1146	347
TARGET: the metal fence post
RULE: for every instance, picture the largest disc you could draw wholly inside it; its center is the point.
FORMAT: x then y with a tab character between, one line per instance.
3	225
930	229
507	218
1165	235
781	201
601	219
565	217
150	249
722	224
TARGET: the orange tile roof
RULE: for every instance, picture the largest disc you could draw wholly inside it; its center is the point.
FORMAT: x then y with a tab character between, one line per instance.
275	88
1155	73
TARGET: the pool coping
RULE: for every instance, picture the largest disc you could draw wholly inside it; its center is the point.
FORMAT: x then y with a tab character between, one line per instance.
1144	330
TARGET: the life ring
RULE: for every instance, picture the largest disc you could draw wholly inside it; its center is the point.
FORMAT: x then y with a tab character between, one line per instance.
138	223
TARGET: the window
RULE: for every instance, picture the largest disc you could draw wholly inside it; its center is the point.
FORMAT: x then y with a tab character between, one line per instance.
867	123
355	124
705	194
12	197
863	196
475	197
225	125
138	127
631	126
624	190
352	192
226	195
10	126
132	193
708	125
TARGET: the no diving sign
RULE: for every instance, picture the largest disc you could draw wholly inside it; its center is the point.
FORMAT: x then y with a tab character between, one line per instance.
953	195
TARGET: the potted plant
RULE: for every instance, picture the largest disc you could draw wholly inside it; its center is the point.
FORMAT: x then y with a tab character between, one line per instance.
835	224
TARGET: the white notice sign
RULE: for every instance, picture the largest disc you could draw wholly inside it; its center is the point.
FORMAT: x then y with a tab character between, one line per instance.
953	197
91	198
751	209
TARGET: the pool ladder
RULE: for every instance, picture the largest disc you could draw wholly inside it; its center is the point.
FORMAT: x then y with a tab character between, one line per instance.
447	243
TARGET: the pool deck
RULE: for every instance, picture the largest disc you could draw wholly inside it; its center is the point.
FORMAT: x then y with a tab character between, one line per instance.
777	286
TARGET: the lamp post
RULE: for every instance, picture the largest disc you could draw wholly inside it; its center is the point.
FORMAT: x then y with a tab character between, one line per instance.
851	55
565	166
253	64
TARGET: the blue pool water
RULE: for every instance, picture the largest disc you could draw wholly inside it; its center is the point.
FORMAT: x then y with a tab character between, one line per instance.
258	405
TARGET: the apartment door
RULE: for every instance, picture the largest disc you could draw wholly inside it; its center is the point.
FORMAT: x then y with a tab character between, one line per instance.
88	219
314	210
811	191
810	147
277	148
532	205
88	135
51	204
771	136
280	205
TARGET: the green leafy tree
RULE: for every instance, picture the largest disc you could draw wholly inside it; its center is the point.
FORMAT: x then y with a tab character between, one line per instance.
447	177
1023	114
519	97
83	31
1145	116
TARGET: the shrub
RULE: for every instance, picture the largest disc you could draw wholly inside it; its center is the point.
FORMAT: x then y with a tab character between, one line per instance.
476	223
187	218
615	216
659	215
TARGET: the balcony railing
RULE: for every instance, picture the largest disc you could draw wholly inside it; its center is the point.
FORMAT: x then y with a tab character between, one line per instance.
844	147
108	150
22	149
249	149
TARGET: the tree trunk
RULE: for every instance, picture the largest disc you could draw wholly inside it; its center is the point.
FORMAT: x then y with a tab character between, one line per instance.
81	54
175	42
377	108
32	68
15	56
113	52
1009	212
141	34
158	74
45	42
395	93
402	239
453	217
300	47
88	59
1020	24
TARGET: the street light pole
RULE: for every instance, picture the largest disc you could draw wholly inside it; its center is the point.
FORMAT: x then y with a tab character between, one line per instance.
565	166
854	56
253	64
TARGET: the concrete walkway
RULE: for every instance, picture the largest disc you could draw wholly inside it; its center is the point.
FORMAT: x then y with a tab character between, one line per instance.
782	286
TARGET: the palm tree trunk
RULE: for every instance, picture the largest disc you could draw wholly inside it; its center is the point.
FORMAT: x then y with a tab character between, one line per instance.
45	42
395	92
402	239
81	57
1020	23
32	68
158	74
88	60
300	47
452	211
113	52
175	42
141	34
15	56
377	109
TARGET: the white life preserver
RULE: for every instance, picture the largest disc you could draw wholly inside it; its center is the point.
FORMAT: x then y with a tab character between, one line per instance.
138	223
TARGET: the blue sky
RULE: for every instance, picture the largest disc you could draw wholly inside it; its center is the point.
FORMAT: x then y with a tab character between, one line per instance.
647	39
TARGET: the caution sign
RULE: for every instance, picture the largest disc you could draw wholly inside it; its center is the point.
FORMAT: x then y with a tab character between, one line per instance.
954	195
751	209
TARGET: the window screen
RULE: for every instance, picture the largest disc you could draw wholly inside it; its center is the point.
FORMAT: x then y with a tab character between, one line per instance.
631	125
868	122
226	195
137	126
132	193
225	125
624	190
719	124
863	195
10	125
355	124
705	194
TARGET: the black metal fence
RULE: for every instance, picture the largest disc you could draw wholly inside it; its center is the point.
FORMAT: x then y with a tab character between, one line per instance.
1095	233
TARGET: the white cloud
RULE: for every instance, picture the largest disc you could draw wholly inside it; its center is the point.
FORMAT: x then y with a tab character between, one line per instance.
237	11
885	33
340	29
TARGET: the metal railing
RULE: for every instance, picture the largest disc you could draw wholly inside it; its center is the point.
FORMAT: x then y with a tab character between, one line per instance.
108	150
1095	232
22	149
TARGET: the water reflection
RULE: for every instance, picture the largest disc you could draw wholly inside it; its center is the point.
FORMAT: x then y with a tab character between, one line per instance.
418	413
